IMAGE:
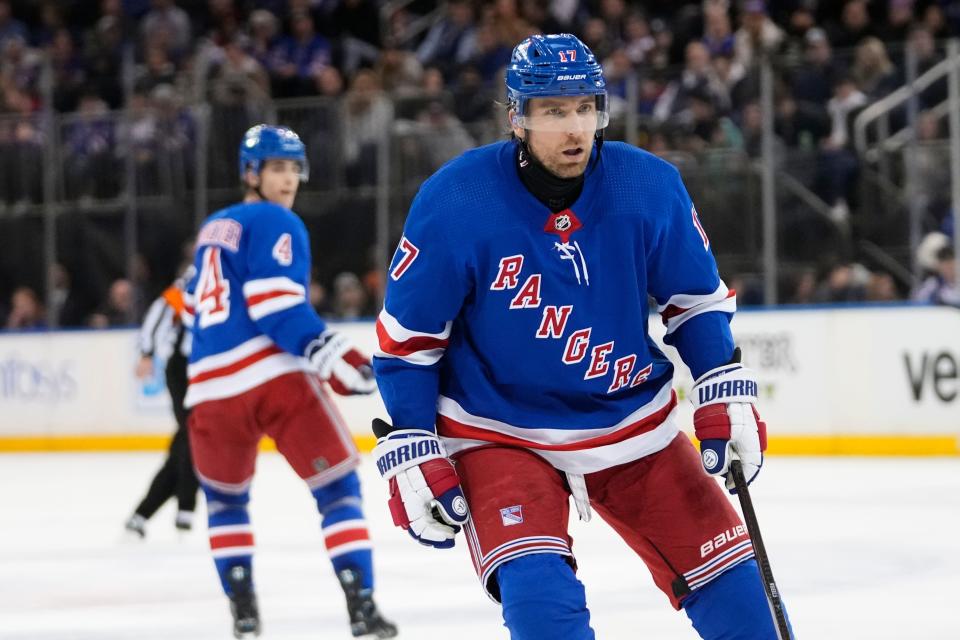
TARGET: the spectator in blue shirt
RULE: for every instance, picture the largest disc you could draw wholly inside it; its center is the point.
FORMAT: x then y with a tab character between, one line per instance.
299	57
450	39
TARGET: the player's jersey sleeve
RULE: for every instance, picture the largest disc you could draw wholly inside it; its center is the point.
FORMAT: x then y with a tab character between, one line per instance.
426	287
278	273
693	302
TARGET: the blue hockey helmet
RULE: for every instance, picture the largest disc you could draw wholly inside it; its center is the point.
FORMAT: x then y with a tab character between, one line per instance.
554	65
265	142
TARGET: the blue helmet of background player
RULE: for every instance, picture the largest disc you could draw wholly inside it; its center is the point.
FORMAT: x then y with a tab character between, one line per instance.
265	142
554	65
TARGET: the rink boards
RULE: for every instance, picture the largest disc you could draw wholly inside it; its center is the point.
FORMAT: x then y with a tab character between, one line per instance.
880	380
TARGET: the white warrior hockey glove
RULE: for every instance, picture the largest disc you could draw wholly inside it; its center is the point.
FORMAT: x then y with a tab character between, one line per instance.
425	494
346	370
726	421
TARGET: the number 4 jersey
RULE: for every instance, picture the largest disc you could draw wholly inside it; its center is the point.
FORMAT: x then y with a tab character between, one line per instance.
248	301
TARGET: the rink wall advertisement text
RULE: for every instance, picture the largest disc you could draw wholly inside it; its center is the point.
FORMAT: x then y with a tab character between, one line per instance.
873	380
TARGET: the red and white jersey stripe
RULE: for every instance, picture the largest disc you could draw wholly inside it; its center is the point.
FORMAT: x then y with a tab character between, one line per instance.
227	541
269	295
485	564
346	536
683	306
240	369
415	347
716	565
646	430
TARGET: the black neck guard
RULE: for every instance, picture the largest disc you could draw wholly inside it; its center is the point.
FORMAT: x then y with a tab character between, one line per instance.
555	192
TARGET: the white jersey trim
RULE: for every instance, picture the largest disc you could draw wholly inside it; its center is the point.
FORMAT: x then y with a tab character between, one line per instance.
451	408
426	358
415	347
686	306
401	334
229	357
273	305
584	461
269	295
245	379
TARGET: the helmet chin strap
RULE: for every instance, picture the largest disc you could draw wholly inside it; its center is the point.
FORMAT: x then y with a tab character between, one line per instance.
255	189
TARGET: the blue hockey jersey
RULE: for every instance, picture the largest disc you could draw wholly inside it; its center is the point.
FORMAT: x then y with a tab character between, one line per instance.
507	323
248	302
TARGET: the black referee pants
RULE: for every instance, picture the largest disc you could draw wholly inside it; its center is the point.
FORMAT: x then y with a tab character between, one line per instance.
176	477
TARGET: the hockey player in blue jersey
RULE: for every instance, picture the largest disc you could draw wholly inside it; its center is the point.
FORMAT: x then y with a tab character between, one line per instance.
516	365
260	355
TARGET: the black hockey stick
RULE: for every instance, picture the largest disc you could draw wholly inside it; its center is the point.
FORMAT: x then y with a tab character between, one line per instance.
766	573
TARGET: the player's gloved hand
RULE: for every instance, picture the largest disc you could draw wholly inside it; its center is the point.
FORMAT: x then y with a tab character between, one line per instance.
425	494
346	370
726	421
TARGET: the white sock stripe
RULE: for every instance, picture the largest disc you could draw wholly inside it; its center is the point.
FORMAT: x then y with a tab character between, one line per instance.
229	529
347	547
230	552
357	523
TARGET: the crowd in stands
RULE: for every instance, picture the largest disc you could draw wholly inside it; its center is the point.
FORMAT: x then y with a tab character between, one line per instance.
695	64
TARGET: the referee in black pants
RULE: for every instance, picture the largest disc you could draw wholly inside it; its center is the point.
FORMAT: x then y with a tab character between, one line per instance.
163	334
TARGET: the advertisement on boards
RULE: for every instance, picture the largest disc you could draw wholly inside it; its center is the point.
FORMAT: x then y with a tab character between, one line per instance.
859	371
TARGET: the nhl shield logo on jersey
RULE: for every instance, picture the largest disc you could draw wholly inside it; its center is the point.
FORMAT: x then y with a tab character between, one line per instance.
563	223
511	515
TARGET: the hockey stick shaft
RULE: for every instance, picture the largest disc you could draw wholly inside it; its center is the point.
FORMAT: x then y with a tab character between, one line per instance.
766	573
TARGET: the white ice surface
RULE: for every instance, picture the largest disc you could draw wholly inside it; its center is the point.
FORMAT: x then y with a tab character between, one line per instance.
861	548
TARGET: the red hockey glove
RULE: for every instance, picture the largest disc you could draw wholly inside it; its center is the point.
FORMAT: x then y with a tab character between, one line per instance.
425	494
726	421
346	370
